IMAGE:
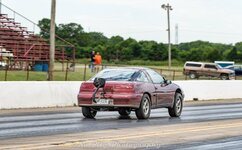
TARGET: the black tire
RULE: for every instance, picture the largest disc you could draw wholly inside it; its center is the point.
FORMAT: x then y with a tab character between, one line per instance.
143	112
124	111
192	75
88	112
224	77
176	109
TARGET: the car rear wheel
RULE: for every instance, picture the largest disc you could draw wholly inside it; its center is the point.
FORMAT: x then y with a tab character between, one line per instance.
143	112
192	75
124	111
176	110
88	112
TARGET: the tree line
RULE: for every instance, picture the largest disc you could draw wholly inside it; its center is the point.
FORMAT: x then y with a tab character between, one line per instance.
117	48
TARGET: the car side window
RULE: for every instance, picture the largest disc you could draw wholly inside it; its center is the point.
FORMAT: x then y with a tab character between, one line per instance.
155	77
193	65
142	78
210	66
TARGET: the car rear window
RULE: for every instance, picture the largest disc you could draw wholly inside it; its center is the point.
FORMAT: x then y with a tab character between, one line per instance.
116	74
193	65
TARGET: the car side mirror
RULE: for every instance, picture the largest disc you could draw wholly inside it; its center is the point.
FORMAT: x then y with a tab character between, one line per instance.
168	82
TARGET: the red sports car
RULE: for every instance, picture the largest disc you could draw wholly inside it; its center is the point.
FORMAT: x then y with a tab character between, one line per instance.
129	89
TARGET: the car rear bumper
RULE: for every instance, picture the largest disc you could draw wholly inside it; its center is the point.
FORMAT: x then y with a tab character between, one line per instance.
119	100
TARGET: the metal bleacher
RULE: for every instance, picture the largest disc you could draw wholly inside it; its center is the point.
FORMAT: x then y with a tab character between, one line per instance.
26	46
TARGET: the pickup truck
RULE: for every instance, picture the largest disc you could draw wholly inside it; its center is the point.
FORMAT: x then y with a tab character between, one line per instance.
197	69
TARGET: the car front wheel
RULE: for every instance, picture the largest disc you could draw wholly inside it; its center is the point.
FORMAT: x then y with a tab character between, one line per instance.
143	112
88	112
224	77
176	110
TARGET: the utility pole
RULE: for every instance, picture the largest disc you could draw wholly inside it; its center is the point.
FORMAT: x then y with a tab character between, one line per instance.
52	41
0	6
168	8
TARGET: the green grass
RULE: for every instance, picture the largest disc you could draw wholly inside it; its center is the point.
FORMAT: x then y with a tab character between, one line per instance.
59	75
22	76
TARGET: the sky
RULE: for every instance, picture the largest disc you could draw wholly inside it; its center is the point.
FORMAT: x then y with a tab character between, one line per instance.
218	21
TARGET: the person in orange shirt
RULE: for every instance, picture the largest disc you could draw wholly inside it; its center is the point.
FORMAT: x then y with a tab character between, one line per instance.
98	61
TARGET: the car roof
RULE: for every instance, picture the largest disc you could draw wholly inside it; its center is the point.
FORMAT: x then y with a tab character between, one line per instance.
130	68
193	62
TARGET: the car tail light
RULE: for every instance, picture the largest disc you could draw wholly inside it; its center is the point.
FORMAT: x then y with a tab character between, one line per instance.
86	87
123	88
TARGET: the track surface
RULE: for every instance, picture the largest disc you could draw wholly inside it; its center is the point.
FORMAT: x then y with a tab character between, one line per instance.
203	125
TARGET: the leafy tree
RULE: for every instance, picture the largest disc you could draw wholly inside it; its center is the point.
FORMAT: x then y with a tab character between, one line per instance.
96	38
239	46
71	32
117	48
113	48
175	53
136	50
147	48
233	54
44	25
214	55
129	49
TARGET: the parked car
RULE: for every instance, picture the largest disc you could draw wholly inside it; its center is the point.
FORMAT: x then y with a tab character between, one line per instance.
236	68
197	69
129	89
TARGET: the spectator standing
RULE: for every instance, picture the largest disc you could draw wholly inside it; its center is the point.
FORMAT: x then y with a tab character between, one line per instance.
98	61
92	61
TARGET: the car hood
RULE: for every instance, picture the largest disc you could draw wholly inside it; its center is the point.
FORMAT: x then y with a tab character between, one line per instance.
227	70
